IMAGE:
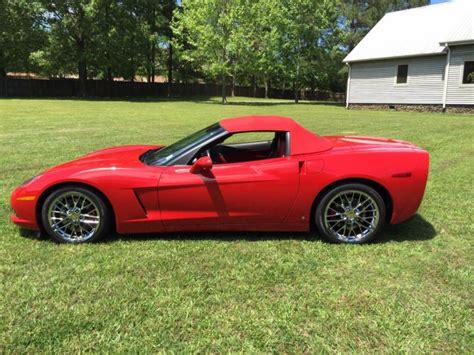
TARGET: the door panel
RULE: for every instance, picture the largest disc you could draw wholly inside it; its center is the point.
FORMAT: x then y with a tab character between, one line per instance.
250	192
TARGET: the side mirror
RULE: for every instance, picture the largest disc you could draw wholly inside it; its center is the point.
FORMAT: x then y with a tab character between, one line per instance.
201	165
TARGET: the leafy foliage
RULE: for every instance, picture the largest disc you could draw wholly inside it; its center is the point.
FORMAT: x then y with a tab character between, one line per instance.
213	31
279	43
20	34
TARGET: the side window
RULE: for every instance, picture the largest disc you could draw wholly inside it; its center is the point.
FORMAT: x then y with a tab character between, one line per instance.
247	146
250	137
402	74
468	73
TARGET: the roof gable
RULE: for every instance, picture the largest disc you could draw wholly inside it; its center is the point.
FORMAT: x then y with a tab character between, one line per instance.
417	31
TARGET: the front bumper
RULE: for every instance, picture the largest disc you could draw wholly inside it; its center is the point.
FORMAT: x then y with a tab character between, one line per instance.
24	223
23	203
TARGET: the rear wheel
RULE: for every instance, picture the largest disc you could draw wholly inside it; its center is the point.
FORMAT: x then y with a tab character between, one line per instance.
74	214
350	213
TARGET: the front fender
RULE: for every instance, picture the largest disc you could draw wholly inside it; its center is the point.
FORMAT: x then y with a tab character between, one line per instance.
132	192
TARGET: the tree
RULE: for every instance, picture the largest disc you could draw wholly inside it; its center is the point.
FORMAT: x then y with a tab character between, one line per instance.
105	38
209	28
70	24
168	8
262	58
20	34
302	26
266	42
106	41
149	15
325	60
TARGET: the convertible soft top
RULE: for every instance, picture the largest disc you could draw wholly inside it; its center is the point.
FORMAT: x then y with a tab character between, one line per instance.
302	141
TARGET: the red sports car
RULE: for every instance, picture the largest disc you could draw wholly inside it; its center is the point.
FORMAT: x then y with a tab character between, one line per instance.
256	173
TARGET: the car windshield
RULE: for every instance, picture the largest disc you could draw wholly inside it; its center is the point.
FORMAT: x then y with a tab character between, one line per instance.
162	156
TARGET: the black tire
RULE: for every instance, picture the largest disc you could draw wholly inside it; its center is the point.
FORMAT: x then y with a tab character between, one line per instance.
101	217
329	220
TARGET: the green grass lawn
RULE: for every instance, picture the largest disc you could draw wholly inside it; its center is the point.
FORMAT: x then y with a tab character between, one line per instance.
411	291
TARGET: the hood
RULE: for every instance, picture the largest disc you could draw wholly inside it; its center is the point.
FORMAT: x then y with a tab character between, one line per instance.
361	143
121	156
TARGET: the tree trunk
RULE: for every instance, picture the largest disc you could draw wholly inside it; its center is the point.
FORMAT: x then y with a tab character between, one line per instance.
254	86
295	92
353	31
151	19
153	47
109	74
170	68
81	51
168	12
82	77
266	88
224	94
3	76
108	69
110	80
134	70
3	70
283	89
232	89
82	68
296	84
153	54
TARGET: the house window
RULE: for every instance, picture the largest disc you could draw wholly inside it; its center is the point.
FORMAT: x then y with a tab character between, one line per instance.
402	74
468	74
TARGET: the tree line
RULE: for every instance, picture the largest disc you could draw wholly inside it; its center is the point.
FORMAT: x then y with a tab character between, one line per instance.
261	43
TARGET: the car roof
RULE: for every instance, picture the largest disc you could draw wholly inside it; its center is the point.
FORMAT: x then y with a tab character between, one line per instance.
302	140
258	123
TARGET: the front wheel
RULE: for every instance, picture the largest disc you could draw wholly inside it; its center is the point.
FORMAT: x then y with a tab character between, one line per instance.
350	213
74	214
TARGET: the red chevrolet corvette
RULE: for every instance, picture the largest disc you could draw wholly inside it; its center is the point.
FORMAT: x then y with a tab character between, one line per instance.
256	173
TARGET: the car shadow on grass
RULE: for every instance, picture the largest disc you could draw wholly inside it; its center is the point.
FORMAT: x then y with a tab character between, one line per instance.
416	229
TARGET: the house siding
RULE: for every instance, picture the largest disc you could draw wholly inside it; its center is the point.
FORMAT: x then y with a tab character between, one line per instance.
459	93
374	82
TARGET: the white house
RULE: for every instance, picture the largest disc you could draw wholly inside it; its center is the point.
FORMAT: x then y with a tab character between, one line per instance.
420	56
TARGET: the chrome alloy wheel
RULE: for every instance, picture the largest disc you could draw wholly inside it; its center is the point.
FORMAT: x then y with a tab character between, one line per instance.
351	215
74	216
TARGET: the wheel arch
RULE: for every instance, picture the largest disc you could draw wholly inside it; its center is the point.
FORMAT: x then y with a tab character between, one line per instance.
55	187
382	190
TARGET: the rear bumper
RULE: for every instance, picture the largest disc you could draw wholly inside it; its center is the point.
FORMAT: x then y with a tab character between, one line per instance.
408	192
